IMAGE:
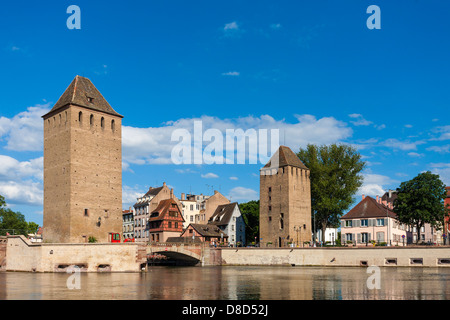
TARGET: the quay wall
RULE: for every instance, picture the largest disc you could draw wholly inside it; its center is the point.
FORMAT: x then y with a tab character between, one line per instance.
22	255
339	257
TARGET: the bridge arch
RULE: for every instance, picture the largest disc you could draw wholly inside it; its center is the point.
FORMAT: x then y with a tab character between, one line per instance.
178	254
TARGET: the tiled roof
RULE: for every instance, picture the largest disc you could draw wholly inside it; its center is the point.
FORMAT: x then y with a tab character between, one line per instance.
223	214
286	157
162	209
207	230
82	92
369	208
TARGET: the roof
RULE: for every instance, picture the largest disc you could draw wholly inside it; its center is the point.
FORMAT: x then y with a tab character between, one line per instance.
207	230
223	214
369	208
183	240
82	92
390	196
153	191
162	210
286	157
448	191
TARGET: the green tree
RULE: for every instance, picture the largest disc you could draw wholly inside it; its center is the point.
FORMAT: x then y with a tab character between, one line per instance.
14	222
420	201
335	178
250	214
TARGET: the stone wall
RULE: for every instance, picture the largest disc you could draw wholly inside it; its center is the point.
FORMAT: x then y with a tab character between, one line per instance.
22	255
342	257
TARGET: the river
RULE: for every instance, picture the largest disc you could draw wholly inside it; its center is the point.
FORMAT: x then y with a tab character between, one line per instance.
231	283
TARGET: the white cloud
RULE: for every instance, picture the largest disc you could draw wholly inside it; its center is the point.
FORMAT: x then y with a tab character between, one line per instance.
375	184
130	195
153	145
209	175
275	26
23	132
12	169
401	145
231	26
242	194
440	149
444	132
23	192
443	170
359	120
415	154
234	178
231	73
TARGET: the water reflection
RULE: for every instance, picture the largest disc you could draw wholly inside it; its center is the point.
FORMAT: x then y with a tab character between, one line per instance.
235	283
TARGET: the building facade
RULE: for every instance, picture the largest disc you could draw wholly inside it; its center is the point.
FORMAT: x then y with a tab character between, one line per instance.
128	224
228	218
82	167
145	205
285	201
199	208
371	222
166	221
206	233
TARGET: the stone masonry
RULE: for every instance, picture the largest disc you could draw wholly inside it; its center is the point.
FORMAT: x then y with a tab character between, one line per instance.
82	167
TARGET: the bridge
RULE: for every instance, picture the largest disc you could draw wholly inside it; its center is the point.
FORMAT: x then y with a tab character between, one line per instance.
185	253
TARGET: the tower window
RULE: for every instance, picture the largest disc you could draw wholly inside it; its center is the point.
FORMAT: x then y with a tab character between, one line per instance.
90	100
102	122
91	120
80	117
86	212
113	125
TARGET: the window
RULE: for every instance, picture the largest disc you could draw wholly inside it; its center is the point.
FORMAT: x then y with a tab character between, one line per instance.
102	123
348	237
365	237
364	223
270	189
169	224
90	99
380	222
86	212
113	125
348	223
91	120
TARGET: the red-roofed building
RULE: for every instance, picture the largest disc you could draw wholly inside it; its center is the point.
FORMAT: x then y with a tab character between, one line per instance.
165	221
372	220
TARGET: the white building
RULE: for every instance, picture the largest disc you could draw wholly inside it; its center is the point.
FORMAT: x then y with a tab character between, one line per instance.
229	219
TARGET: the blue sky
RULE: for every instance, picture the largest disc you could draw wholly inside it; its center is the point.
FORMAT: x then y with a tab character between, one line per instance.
311	69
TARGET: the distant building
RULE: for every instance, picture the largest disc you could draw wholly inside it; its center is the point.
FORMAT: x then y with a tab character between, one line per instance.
370	220
128	224
165	221
205	233
331	235
285	201
145	205
199	208
228	218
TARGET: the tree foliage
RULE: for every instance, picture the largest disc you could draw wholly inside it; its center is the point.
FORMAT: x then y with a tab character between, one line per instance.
14	222
250	214
335	178
420	201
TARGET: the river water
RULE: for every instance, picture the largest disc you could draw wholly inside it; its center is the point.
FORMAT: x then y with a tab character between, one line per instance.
231	282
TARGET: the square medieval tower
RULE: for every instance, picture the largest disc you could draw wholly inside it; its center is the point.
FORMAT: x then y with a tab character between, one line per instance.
82	167
285	201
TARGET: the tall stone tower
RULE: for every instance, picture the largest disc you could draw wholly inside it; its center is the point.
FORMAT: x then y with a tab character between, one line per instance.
285	201
82	167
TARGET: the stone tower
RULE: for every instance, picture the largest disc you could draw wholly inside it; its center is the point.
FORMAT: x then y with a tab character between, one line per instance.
82	167
285	201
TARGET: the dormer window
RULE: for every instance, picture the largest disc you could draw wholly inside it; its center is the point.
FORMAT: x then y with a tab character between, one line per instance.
90	99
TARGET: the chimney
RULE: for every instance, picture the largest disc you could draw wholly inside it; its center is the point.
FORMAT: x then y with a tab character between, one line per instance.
363	196
171	193
183	196
164	184
216	192
378	200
